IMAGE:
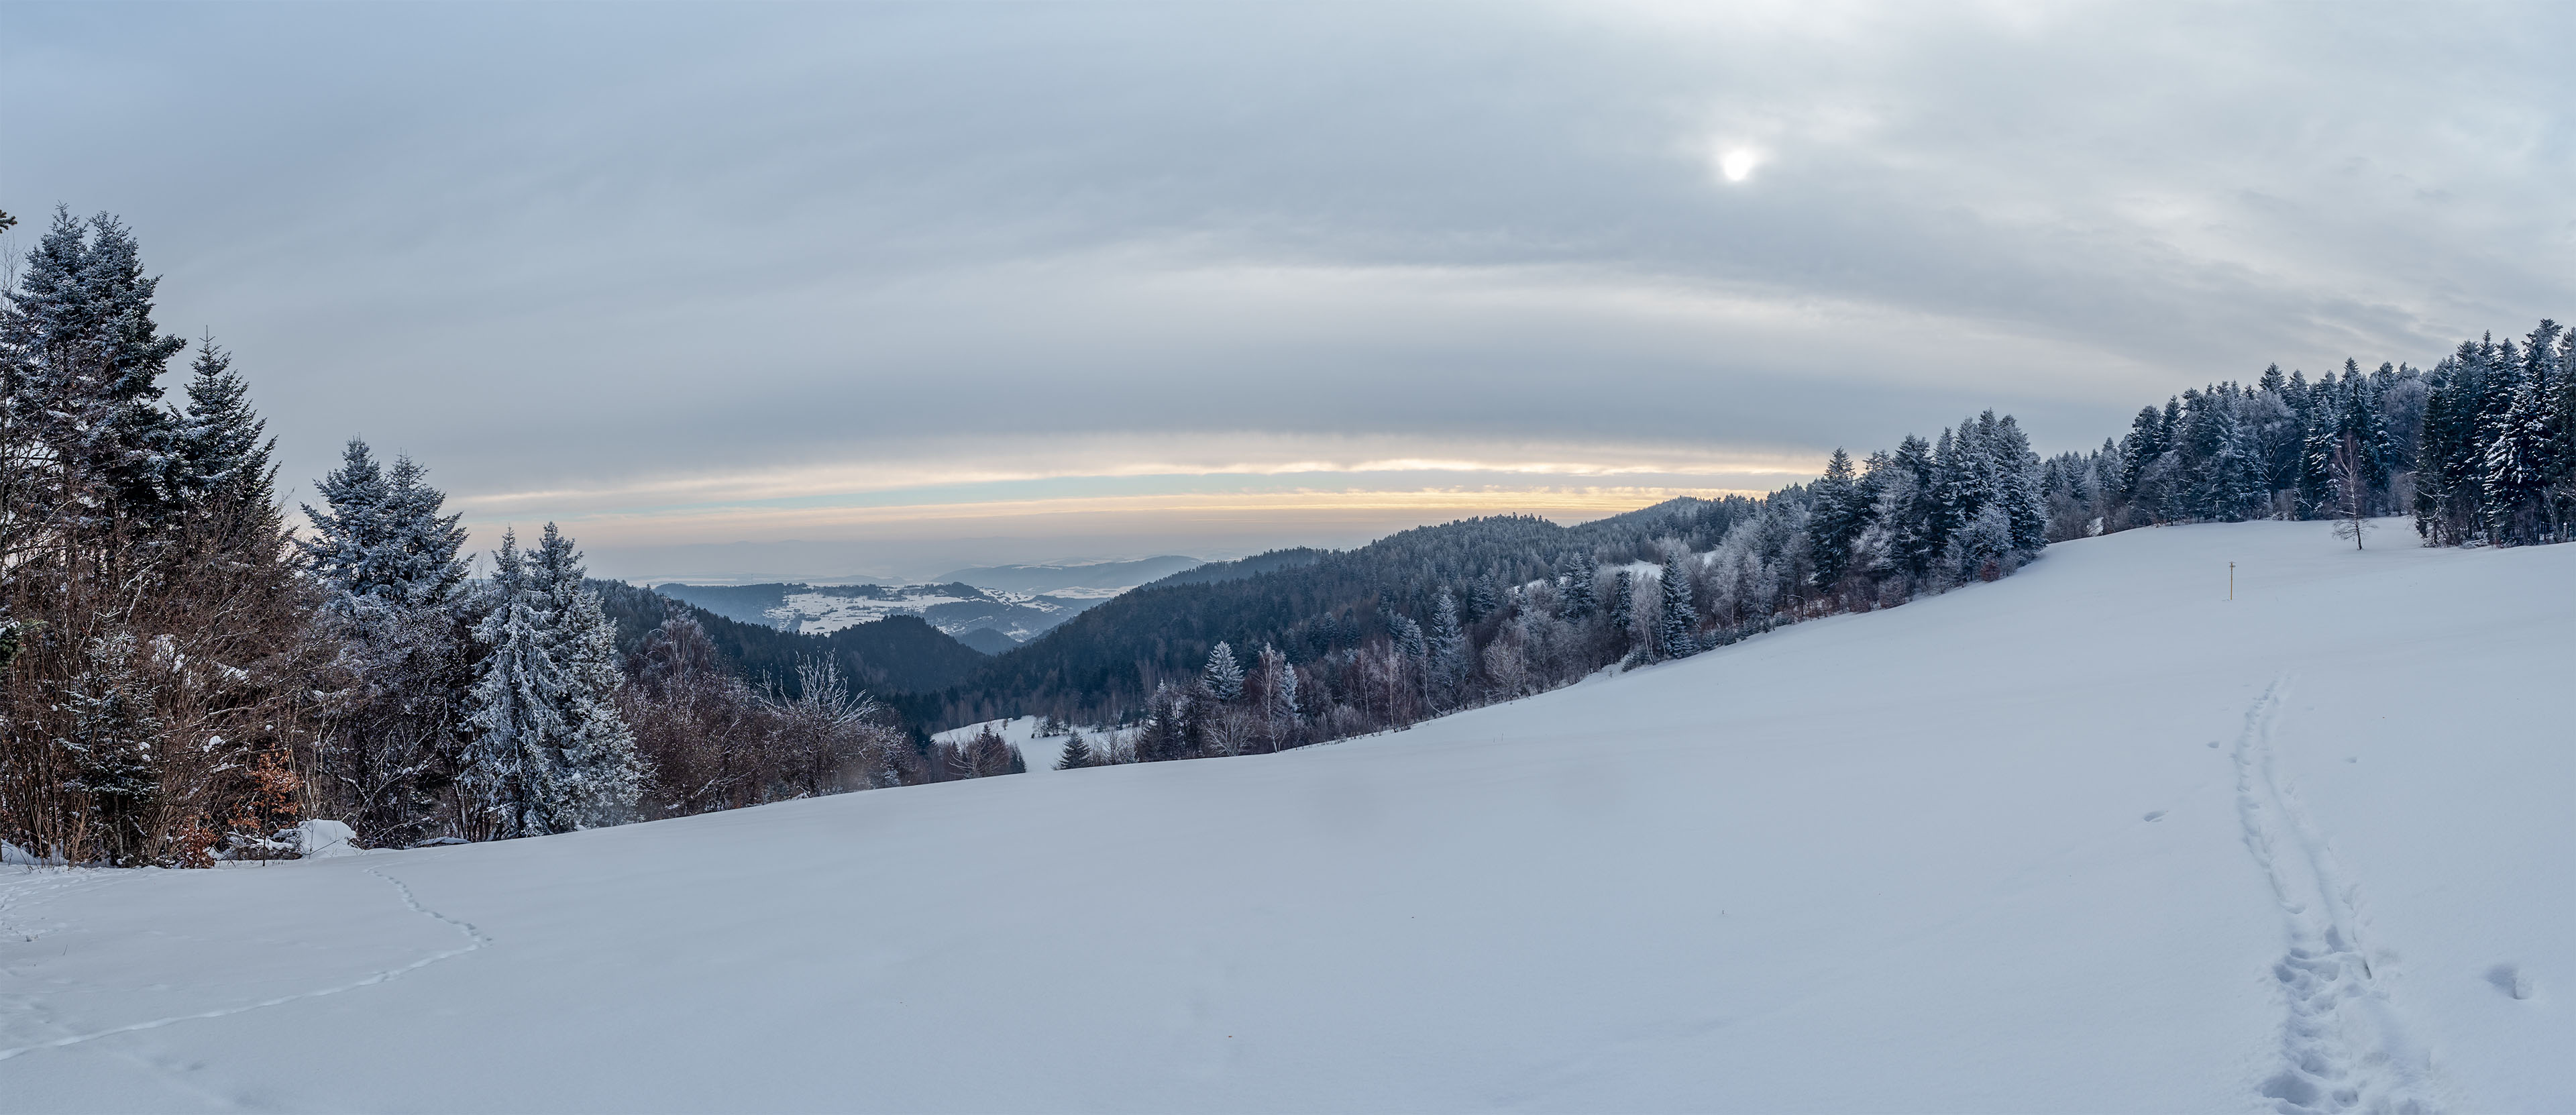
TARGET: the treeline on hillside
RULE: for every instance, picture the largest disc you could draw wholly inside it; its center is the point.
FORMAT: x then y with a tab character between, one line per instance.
182	677
2481	449
1099	666
1431	620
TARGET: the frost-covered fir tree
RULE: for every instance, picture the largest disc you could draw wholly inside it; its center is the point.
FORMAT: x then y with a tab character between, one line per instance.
1279	707
427	544
1839	512
1223	677
2347	440
1581	598
2017	486
1909	512
1449	662
1407	636
1166	733
379	540
85	364
1623	602
2522	442
221	450
551	753
111	725
2449	459
1677	624
396	699
1984	548
2235	486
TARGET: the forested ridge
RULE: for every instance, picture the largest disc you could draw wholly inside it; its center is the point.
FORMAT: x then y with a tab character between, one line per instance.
897	654
183	676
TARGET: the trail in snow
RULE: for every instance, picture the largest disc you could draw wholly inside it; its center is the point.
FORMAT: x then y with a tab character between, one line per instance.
474	939
2343	1045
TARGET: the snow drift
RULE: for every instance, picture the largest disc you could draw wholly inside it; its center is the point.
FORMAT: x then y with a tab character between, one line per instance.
2090	838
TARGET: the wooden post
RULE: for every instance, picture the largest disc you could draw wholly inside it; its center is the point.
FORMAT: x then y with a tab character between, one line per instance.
2231	580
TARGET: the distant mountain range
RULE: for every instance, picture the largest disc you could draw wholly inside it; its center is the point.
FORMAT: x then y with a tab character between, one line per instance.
1094	578
991	609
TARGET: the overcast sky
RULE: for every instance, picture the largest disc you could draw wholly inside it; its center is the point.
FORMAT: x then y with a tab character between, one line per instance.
818	290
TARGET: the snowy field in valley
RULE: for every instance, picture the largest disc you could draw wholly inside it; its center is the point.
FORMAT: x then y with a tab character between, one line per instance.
2092	838
821	611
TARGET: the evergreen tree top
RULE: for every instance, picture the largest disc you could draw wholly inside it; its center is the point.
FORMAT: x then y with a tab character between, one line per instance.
380	536
221	443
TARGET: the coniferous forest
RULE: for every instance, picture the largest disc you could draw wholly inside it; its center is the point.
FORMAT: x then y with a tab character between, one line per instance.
187	675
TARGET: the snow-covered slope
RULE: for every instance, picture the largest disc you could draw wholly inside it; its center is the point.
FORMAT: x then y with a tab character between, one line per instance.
2091	838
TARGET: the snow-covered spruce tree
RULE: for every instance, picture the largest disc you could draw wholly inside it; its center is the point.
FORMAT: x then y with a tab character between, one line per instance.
1407	636
85	363
2017	485
1677	622
104	544
2521	442
2448	462
1581	598
1223	677
428	570
395	698
1167	733
1839	512
1983	550
2347	422
1909	512
1621	614
1076	754
379	539
551	754
221	451
1449	662
1279	709
348	549
1949	497
112	724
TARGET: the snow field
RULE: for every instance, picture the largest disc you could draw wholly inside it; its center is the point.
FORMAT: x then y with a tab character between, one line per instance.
1042	752
2089	838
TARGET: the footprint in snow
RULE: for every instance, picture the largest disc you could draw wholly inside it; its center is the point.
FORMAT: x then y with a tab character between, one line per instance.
2158	815
2509	979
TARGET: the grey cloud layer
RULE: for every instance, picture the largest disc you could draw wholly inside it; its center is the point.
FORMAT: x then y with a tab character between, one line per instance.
556	247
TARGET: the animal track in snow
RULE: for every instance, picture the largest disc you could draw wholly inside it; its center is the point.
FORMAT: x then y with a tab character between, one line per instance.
2343	1047
474	939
